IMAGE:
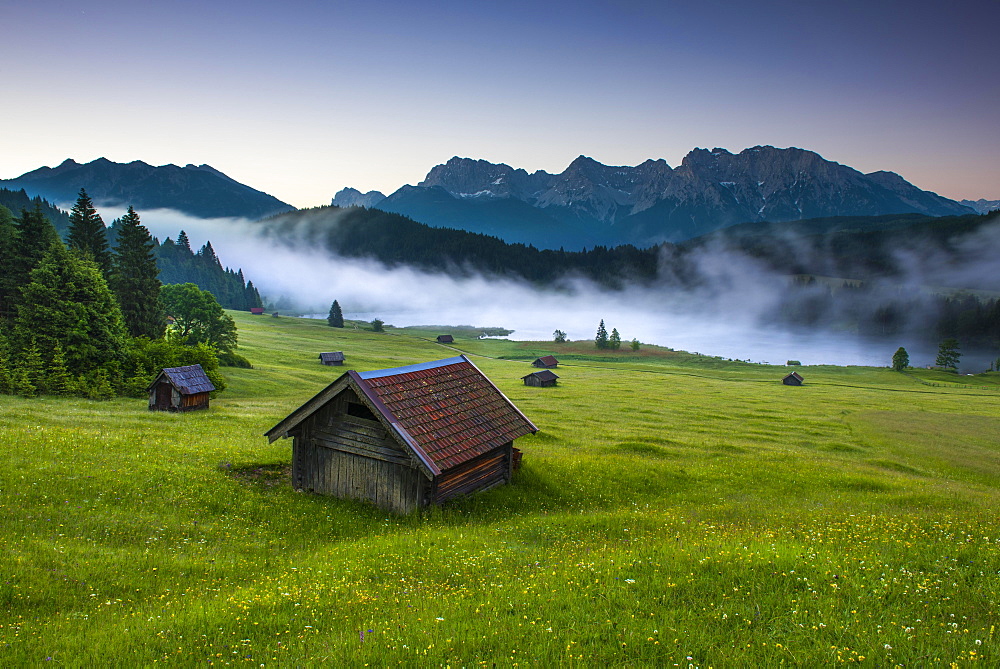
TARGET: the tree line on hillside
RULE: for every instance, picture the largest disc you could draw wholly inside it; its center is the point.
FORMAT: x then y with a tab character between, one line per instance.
178	263
18	200
880	310
82	318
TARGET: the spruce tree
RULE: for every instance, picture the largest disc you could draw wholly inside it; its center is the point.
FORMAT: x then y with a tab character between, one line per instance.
34	368
615	341
184	244
948	354
57	379
335	318
601	340
68	301
900	359
35	235
87	233
135	281
252	296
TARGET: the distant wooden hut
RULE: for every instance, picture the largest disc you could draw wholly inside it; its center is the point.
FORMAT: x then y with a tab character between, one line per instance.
445	339
180	389
335	358
405	438
546	362
792	379
257	311
542	379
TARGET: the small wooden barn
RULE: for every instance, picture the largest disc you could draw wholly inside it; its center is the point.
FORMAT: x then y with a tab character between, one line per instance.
180	389
445	339
334	358
257	311
546	362
792	379
405	438
542	379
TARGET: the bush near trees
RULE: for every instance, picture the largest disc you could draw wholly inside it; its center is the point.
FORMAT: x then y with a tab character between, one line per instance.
198	317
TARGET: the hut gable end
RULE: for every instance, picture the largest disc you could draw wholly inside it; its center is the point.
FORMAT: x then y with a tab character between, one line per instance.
793	379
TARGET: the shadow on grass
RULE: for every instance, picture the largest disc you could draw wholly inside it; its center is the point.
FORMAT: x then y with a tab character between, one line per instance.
260	475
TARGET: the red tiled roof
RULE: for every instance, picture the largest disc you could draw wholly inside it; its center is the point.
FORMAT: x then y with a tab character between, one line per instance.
452	411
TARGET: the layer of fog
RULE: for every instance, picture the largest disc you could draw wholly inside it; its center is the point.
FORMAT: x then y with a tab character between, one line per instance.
722	319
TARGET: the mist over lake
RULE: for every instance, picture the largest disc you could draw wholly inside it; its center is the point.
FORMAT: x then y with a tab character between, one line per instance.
726	319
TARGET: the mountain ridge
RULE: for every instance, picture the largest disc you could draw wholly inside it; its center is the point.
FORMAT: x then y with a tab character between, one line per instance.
591	203
197	190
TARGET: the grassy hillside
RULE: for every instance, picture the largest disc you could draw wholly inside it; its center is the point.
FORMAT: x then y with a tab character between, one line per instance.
674	509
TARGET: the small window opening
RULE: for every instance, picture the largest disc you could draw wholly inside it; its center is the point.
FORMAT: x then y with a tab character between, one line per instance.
360	411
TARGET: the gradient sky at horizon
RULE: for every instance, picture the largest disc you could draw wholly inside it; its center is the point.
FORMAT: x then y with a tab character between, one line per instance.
301	98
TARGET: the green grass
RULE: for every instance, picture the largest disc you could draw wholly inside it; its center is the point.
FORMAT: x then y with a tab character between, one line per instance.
674	509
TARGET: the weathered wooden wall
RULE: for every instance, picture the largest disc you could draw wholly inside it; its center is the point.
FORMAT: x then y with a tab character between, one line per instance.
338	454
193	402
487	471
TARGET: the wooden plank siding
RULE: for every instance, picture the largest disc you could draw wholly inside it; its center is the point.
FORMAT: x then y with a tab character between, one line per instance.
482	473
335	453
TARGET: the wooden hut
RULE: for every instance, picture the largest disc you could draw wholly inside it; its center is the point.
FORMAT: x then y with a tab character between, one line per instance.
542	379
445	339
335	358
792	379
546	362
180	389
257	311
405	438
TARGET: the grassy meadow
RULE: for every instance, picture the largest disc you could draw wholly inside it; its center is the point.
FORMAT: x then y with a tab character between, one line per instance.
674	510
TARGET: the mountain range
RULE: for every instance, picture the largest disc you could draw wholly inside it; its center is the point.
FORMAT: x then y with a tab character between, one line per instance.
197	190
594	204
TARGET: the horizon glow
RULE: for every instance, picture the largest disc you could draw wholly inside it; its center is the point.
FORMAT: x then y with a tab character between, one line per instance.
301	100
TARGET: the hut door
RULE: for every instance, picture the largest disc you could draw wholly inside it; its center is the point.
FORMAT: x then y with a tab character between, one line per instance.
163	396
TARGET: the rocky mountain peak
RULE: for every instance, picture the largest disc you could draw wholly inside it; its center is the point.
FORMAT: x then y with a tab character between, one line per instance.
352	197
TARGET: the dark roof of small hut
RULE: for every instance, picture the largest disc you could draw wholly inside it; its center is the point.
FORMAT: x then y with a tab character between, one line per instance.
334	356
447	411
256	310
547	360
793	375
544	375
188	380
445	338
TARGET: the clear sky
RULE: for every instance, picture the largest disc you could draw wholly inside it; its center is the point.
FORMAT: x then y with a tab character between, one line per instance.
301	98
